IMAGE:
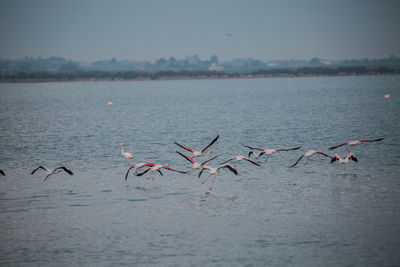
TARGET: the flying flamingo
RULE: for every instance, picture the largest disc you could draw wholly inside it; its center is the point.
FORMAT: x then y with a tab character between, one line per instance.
349	156
215	171
268	151
138	166
354	143
54	171
199	153
157	168
2	172
308	155
127	155
196	165
239	158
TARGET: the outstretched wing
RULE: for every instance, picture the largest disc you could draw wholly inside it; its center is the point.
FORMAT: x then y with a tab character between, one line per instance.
251	161
212	142
40	167
230	167
131	167
257	148
65	169
297	161
288	149
2	172
322	153
208	160
184	147
144	172
186	157
334	158
168	168
334	147
373	140
353	157
228	160
201	172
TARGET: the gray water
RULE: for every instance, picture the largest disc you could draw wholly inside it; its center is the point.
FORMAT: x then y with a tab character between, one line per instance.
310	215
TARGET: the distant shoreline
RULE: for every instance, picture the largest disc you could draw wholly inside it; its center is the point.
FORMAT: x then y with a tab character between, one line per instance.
44	77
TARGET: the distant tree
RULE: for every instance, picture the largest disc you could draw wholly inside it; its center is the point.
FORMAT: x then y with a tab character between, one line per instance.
214	59
69	67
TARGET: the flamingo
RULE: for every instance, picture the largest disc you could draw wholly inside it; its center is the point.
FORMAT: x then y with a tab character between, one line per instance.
157	168
268	151
127	155
2	172
239	158
138	166
199	153
308	155
196	165
349	156
54	171
354	143
215	171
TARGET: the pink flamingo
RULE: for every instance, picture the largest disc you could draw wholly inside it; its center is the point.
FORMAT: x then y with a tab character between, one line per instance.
215	171
308	155
268	151
199	153
127	155
157	168
138	166
196	165
354	143
51	172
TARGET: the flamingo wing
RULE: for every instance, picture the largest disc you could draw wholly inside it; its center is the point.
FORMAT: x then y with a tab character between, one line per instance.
288	149
297	161
168	168
373	140
334	147
142	173
322	153
184	147
257	148
353	157
251	161
131	167
208	160
335	158
2	172
212	142
228	160
201	172
65	169
186	157
230	167
40	167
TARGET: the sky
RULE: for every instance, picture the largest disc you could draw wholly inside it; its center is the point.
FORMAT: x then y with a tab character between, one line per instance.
90	30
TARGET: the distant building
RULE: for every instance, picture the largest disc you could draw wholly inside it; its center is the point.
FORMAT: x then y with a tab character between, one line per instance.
215	67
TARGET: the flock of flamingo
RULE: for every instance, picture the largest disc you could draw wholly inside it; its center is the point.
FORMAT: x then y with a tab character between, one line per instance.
255	152
213	171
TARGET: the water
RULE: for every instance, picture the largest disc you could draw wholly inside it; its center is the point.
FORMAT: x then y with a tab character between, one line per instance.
313	215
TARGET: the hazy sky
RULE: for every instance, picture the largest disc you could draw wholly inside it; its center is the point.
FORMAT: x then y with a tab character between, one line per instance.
90	30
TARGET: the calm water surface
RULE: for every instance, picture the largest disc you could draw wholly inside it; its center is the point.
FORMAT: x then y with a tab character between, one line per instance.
314	215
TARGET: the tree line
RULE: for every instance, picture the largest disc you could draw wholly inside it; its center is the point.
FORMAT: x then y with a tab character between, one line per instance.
171	74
